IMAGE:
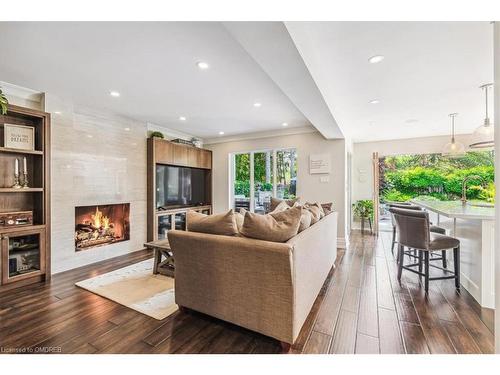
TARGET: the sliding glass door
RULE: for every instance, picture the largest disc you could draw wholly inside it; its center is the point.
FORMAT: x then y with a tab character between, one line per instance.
241	183
286	169
259	175
262	180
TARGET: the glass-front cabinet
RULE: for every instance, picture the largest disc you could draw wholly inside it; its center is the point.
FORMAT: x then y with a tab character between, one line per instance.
164	225
175	220
23	254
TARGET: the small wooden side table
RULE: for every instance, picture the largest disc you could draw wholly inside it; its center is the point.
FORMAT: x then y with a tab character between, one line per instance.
163	257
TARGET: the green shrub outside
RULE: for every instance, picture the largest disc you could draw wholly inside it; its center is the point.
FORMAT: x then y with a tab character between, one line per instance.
409	176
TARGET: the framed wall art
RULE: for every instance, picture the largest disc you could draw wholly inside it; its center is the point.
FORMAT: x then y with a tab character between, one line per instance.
19	137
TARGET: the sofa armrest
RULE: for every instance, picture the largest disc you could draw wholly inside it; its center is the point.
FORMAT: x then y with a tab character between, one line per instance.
241	280
314	254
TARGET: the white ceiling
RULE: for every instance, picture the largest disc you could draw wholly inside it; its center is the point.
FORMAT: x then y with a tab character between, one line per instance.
303	73
430	69
153	66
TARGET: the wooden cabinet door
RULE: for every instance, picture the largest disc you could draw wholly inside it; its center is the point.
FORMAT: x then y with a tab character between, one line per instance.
180	155
5	244
164	152
205	159
193	157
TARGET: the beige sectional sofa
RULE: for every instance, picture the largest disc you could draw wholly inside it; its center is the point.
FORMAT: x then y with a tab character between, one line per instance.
267	287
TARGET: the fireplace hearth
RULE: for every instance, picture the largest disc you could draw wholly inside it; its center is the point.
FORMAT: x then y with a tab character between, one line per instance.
101	225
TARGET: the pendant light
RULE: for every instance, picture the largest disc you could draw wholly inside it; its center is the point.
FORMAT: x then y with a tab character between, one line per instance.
453	149
484	135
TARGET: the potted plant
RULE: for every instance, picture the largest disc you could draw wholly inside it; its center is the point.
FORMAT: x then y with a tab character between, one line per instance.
363	209
3	103
156	135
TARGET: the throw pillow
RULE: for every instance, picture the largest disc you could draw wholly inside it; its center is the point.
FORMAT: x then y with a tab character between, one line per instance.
276	201
282	206
327	207
305	220
321	212
275	227
222	224
239	217
316	214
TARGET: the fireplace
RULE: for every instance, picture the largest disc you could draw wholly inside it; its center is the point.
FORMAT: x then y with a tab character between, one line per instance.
101	225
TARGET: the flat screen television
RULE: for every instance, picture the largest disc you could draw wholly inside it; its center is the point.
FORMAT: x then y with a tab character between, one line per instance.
180	186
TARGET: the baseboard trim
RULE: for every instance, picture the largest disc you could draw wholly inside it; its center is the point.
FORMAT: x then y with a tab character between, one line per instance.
342	242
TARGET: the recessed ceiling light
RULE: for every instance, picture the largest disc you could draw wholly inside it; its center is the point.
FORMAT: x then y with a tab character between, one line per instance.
257	104
90	136
221	133
374	101
284	124
57	112
114	94
202	65
182	118
126	129
376	59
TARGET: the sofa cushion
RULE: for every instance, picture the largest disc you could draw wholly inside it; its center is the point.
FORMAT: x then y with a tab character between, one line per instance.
274	227
222	224
276	201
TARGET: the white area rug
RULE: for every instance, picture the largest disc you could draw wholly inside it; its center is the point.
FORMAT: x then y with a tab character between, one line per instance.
136	287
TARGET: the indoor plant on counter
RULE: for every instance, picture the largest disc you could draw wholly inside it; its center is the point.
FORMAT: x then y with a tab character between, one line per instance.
363	209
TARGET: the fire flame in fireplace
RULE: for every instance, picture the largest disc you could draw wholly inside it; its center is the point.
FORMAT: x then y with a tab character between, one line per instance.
97	227
99	220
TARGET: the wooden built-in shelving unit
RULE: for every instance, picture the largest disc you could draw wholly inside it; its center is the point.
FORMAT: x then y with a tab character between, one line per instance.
25	249
169	153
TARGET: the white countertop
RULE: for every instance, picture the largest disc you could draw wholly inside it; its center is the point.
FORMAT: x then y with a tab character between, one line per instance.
455	209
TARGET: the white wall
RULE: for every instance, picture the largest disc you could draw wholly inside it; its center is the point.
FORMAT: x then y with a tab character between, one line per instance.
309	187
362	173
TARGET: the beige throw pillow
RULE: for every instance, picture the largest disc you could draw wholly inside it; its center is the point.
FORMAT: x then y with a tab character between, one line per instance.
275	227
223	224
305	220
276	201
327	207
320	208
239	217
316	214
281	207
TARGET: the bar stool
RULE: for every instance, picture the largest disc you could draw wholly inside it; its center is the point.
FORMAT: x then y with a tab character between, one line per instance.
433	228
414	232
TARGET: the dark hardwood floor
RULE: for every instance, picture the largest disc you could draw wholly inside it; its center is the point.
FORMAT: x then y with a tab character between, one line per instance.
361	309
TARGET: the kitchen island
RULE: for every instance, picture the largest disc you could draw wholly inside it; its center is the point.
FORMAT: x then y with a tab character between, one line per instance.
473	224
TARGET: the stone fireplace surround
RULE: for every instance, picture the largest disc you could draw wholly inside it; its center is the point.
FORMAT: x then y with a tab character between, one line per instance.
98	158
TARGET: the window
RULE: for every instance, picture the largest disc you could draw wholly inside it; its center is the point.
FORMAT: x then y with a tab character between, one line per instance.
259	175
